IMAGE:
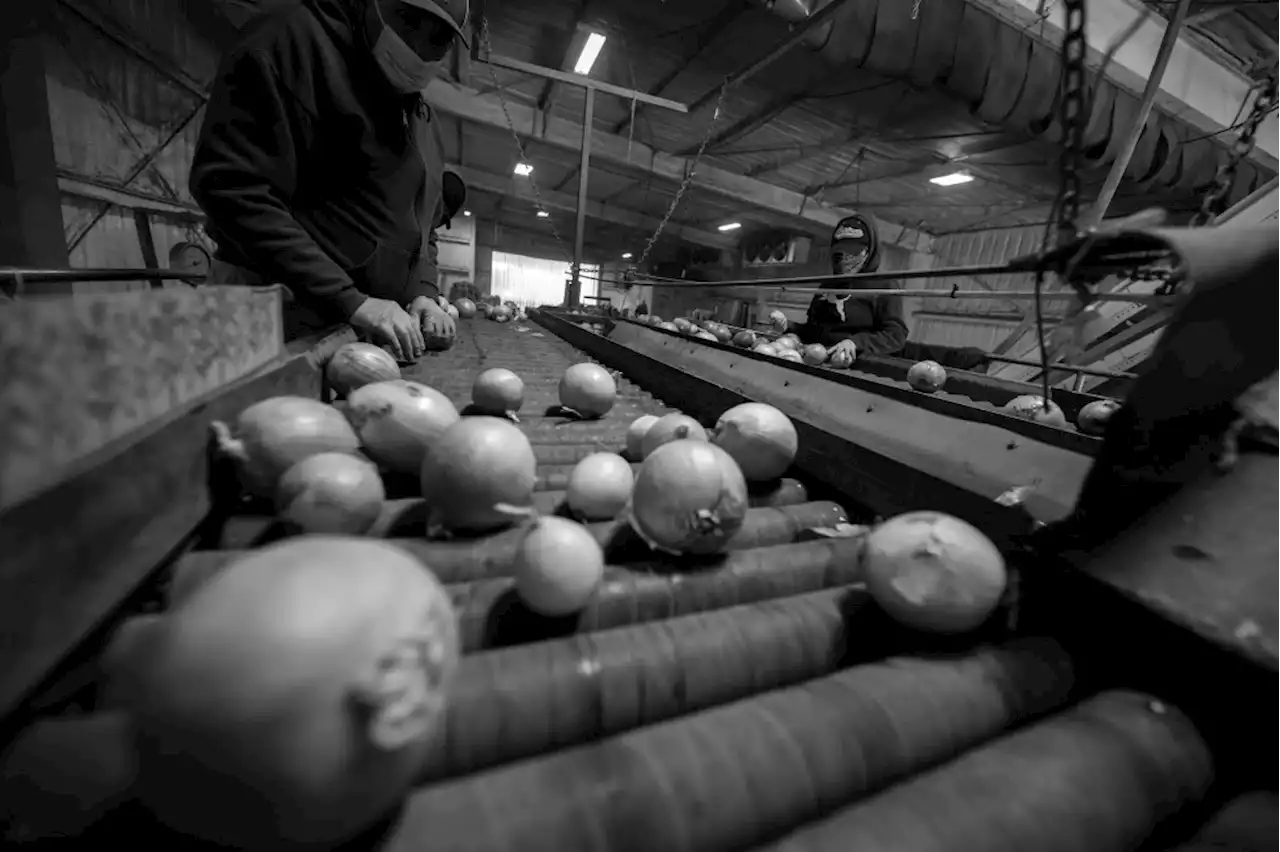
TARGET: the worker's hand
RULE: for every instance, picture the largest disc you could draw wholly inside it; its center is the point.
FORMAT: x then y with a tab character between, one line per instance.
778	320
431	318
846	345
388	325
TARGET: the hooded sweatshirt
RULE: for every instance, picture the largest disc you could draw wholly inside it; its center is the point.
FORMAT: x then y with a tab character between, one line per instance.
875	324
313	170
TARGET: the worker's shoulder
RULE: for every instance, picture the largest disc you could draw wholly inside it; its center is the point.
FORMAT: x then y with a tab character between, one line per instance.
287	32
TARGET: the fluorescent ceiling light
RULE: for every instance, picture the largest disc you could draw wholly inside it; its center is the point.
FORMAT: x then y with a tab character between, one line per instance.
952	179
626	255
466	212
524	169
542	214
590	51
730	226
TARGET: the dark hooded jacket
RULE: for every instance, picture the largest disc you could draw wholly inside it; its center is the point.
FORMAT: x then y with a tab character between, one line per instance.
313	170
875	324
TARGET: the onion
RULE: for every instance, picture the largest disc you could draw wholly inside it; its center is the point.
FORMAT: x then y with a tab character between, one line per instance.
654	319
681	324
1031	407
558	566
599	487
706	335
330	493
814	354
273	435
787	341
635	435
451	310
355	365
765	349
398	422
1094	417
588	390
759	437
689	497
746	339
668	326
933	572
790	355
497	392
841	359
466	308
297	690
722	333
438	342
926	376
778	320
477	464
671	427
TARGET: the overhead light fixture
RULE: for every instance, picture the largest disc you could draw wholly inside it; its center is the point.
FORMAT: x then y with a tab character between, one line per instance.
542	214
590	51
730	226
626	255
524	169
466	212
953	179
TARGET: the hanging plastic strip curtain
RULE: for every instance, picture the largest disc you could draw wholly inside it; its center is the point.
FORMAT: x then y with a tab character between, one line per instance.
533	281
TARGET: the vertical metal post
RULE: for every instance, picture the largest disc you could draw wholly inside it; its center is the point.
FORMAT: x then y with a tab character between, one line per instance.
574	296
1149	93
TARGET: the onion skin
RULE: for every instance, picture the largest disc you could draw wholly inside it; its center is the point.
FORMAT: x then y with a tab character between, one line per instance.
273	435
497	392
478	464
787	341
760	438
599	487
841	359
635	435
689	498
1094	417
588	389
814	354
745	339
558	566
934	572
765	349
399	421
298	691
927	376
671	427
466	308
1032	407
355	365
330	493
790	355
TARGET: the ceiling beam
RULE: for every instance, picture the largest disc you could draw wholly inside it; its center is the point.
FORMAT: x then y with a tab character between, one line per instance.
783	204
749	123
547	97
1196	87
513	187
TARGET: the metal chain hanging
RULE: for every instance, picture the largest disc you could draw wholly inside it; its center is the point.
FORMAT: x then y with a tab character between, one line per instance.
1215	200
1073	118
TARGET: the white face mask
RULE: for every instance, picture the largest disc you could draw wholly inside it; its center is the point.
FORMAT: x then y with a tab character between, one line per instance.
407	71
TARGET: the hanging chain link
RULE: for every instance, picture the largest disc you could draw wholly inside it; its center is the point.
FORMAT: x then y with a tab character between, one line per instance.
487	49
1215	200
1072	116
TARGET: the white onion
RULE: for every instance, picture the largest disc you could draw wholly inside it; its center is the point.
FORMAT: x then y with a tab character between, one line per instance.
558	566
689	497
671	427
478	464
297	691
330	493
355	365
933	572
588	389
1032	407
599	487
273	435
1094	417
927	376
399	421
635	435
759	437
497	392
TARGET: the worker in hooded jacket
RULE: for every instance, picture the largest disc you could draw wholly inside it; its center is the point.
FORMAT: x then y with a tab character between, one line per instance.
320	165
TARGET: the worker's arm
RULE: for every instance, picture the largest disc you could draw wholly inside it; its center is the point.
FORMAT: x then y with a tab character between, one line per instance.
245	173
890	333
428	273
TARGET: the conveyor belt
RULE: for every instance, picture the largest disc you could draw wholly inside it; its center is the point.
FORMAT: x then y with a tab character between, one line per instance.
756	702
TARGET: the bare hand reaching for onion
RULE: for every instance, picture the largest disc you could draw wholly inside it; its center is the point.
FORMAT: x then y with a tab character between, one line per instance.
388	325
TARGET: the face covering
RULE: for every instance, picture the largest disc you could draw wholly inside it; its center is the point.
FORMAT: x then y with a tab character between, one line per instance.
850	263
407	71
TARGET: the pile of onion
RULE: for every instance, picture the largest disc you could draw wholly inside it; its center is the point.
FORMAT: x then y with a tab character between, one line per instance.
558	566
497	392
297	691
689	497
671	427
1032	407
272	436
599	487
588	390
763	348
355	365
787	341
759	437
477	465
399	421
934	572
1094	417
927	376
330	493
635	435
745	339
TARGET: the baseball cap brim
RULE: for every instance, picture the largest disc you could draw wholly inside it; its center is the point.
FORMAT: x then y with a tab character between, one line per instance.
438	10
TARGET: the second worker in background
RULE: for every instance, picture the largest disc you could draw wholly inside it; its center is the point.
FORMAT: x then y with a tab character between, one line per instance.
320	165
